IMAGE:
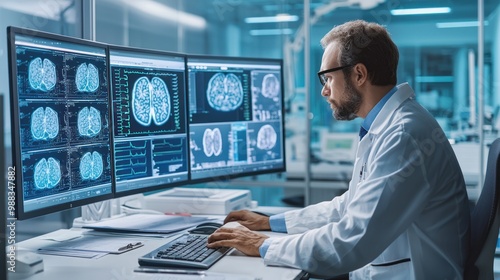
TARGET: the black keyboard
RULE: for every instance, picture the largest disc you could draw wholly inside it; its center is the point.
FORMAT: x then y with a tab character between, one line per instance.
188	250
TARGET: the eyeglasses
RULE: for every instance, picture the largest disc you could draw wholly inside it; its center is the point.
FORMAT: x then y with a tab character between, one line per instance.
321	75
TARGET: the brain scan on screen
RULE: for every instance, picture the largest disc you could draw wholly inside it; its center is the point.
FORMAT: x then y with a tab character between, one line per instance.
44	123
270	86
42	74
91	166
212	142
47	173
150	101
87	78
224	92
89	121
266	137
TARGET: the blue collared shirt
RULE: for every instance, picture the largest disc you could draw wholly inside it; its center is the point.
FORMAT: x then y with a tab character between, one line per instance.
277	222
367	123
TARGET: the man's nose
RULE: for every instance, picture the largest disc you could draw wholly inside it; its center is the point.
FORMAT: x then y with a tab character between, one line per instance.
325	91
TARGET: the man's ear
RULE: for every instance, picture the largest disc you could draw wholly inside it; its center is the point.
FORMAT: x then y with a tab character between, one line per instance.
360	74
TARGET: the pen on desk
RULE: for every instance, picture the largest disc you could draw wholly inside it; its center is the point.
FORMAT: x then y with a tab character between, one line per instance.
171	271
129	246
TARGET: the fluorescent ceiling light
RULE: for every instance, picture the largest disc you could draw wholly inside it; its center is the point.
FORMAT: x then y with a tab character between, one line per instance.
276	18
165	12
263	32
420	11
41	8
458	24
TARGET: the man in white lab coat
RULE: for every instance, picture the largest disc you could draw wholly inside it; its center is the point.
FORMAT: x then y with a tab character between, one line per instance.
405	214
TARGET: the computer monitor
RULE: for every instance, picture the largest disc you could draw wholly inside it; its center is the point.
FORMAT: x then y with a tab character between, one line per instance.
148	90
60	121
236	114
338	147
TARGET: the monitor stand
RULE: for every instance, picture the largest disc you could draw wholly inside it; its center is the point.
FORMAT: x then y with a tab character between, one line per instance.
106	210
99	211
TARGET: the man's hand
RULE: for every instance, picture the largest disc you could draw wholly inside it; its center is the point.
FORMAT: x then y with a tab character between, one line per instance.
249	219
244	240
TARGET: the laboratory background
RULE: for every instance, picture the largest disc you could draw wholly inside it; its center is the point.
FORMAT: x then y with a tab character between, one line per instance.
449	54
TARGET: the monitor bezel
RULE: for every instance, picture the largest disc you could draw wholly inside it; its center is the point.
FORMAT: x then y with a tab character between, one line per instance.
20	214
222	178
186	115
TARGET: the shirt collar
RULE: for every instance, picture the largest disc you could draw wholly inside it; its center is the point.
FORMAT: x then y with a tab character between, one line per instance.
370	117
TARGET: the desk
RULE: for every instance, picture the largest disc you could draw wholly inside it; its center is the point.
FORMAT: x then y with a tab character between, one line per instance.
120	267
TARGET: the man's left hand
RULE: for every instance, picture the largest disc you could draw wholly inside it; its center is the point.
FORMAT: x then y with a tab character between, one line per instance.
241	238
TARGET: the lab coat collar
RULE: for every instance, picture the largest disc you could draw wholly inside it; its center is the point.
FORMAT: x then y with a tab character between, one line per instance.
404	91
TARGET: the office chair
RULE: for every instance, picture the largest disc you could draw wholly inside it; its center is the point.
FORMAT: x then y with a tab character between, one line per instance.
485	221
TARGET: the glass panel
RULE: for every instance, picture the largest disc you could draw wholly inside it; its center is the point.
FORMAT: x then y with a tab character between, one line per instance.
215	27
60	17
438	58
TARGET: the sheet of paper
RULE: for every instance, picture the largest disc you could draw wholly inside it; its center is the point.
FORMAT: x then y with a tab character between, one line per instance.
63	235
76	254
148	223
100	244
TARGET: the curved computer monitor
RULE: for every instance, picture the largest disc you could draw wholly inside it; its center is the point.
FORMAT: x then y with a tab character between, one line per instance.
236	117
148	90
60	121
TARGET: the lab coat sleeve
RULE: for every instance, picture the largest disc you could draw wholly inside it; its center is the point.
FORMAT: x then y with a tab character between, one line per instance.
382	208
316	215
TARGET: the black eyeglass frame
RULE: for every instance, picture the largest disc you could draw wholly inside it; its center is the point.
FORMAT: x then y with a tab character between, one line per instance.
321	74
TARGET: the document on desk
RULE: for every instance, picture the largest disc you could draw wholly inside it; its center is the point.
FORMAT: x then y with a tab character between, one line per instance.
148	223
89	246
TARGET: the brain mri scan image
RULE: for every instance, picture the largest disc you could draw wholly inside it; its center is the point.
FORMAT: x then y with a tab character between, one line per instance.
87	78
91	166
47	173
224	92
266	137
212	142
44	124
89	122
42	74
150	101
270	86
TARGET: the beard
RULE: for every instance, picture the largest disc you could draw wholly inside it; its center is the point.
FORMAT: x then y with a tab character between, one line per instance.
346	110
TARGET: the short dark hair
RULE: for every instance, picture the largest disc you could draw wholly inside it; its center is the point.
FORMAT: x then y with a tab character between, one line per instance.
369	44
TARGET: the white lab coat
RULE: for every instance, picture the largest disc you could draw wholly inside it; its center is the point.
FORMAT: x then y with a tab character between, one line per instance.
404	216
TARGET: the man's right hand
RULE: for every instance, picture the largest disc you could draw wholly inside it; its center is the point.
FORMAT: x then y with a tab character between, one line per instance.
249	219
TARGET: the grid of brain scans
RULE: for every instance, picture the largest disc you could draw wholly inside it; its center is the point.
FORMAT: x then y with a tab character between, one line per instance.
235	111
62	98
150	139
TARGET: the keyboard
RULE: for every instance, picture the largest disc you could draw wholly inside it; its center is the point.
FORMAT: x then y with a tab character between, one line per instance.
188	250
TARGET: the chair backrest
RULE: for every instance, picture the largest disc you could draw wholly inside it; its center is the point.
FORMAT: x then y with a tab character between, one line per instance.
485	221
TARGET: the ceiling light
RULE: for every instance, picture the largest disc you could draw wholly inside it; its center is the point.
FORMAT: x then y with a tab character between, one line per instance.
42	9
420	11
276	18
165	12
458	24
263	32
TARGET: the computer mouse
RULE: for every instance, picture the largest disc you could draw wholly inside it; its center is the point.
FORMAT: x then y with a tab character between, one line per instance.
210	224
204	229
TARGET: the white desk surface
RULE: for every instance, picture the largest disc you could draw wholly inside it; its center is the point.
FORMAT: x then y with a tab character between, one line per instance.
120	267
